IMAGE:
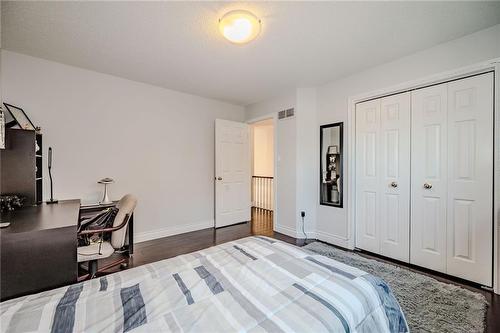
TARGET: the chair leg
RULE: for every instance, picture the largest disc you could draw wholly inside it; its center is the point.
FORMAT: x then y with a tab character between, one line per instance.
92	268
83	277
115	263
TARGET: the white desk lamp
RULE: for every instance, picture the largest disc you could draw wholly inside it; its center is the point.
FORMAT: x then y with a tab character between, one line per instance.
105	199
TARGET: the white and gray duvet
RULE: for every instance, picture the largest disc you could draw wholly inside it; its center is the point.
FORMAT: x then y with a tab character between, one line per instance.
254	284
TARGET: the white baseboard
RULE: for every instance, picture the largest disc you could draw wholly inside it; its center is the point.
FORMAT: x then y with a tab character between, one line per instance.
176	230
286	230
333	239
310	234
170	231
294	233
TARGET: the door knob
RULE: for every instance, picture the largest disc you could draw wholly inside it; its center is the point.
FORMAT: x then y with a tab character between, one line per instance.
394	184
219	178
427	186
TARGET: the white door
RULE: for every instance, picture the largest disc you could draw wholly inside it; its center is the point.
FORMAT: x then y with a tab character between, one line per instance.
232	173
429	176
383	176
394	180
367	175
470	178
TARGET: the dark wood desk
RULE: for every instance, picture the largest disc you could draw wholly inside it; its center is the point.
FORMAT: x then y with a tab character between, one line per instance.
38	249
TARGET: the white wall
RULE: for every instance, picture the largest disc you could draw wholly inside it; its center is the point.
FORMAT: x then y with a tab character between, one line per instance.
263	149
156	143
286	177
329	104
307	161
285	168
269	107
333	101
296	163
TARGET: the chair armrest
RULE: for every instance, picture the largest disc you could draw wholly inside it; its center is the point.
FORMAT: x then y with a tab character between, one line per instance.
110	229
81	219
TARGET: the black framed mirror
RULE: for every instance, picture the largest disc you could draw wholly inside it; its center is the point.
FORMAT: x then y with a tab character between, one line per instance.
331	171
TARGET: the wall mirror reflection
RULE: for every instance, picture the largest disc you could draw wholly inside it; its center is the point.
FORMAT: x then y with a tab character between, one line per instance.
331	155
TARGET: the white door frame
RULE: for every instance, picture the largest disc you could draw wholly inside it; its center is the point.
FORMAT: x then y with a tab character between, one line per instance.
490	65
274	117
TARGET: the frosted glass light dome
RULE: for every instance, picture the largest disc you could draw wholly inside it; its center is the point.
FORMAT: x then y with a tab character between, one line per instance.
239	26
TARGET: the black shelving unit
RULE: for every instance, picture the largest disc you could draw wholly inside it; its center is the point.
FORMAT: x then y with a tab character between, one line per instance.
21	165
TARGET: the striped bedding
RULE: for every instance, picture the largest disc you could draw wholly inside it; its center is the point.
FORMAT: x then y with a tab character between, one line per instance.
254	284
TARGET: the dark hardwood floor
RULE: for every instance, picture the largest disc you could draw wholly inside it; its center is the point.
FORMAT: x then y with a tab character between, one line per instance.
168	247
262	224
158	249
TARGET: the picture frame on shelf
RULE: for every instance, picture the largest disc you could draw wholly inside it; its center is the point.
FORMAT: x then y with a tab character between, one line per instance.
333	150
17	117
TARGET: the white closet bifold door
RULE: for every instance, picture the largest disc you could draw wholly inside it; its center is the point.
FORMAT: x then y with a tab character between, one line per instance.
383	176
394	181
470	178
428	177
424	177
367	175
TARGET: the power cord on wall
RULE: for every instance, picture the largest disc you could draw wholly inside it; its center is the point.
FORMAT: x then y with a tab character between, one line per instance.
303	215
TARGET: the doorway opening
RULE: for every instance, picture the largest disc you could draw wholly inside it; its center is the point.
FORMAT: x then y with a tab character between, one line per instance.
262	168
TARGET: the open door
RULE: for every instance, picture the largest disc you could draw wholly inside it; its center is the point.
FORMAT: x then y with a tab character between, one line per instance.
232	173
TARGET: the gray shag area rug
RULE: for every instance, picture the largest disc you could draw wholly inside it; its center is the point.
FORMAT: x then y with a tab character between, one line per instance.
428	304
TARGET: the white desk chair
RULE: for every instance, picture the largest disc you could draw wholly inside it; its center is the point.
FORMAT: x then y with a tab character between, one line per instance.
103	249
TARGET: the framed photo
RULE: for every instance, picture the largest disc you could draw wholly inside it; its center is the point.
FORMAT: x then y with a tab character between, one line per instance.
333	149
18	116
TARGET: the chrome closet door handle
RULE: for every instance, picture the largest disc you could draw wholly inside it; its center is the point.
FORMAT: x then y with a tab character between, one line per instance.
427	186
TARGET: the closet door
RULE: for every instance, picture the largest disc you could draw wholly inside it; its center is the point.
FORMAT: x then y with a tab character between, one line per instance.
394	177
470	178
367	175
383	176
428	177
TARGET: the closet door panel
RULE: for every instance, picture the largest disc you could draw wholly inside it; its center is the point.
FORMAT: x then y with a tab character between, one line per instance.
470	178
394	179
429	177
367	175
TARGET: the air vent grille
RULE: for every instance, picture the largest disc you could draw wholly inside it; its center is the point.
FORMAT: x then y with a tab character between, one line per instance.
286	113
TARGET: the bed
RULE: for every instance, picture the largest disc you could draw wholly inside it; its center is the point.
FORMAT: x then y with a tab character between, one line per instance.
254	284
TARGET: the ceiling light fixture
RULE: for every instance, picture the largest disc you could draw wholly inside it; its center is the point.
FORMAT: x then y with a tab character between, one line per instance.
239	26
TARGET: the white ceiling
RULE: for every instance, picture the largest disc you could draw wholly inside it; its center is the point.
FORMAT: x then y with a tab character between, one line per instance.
176	45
